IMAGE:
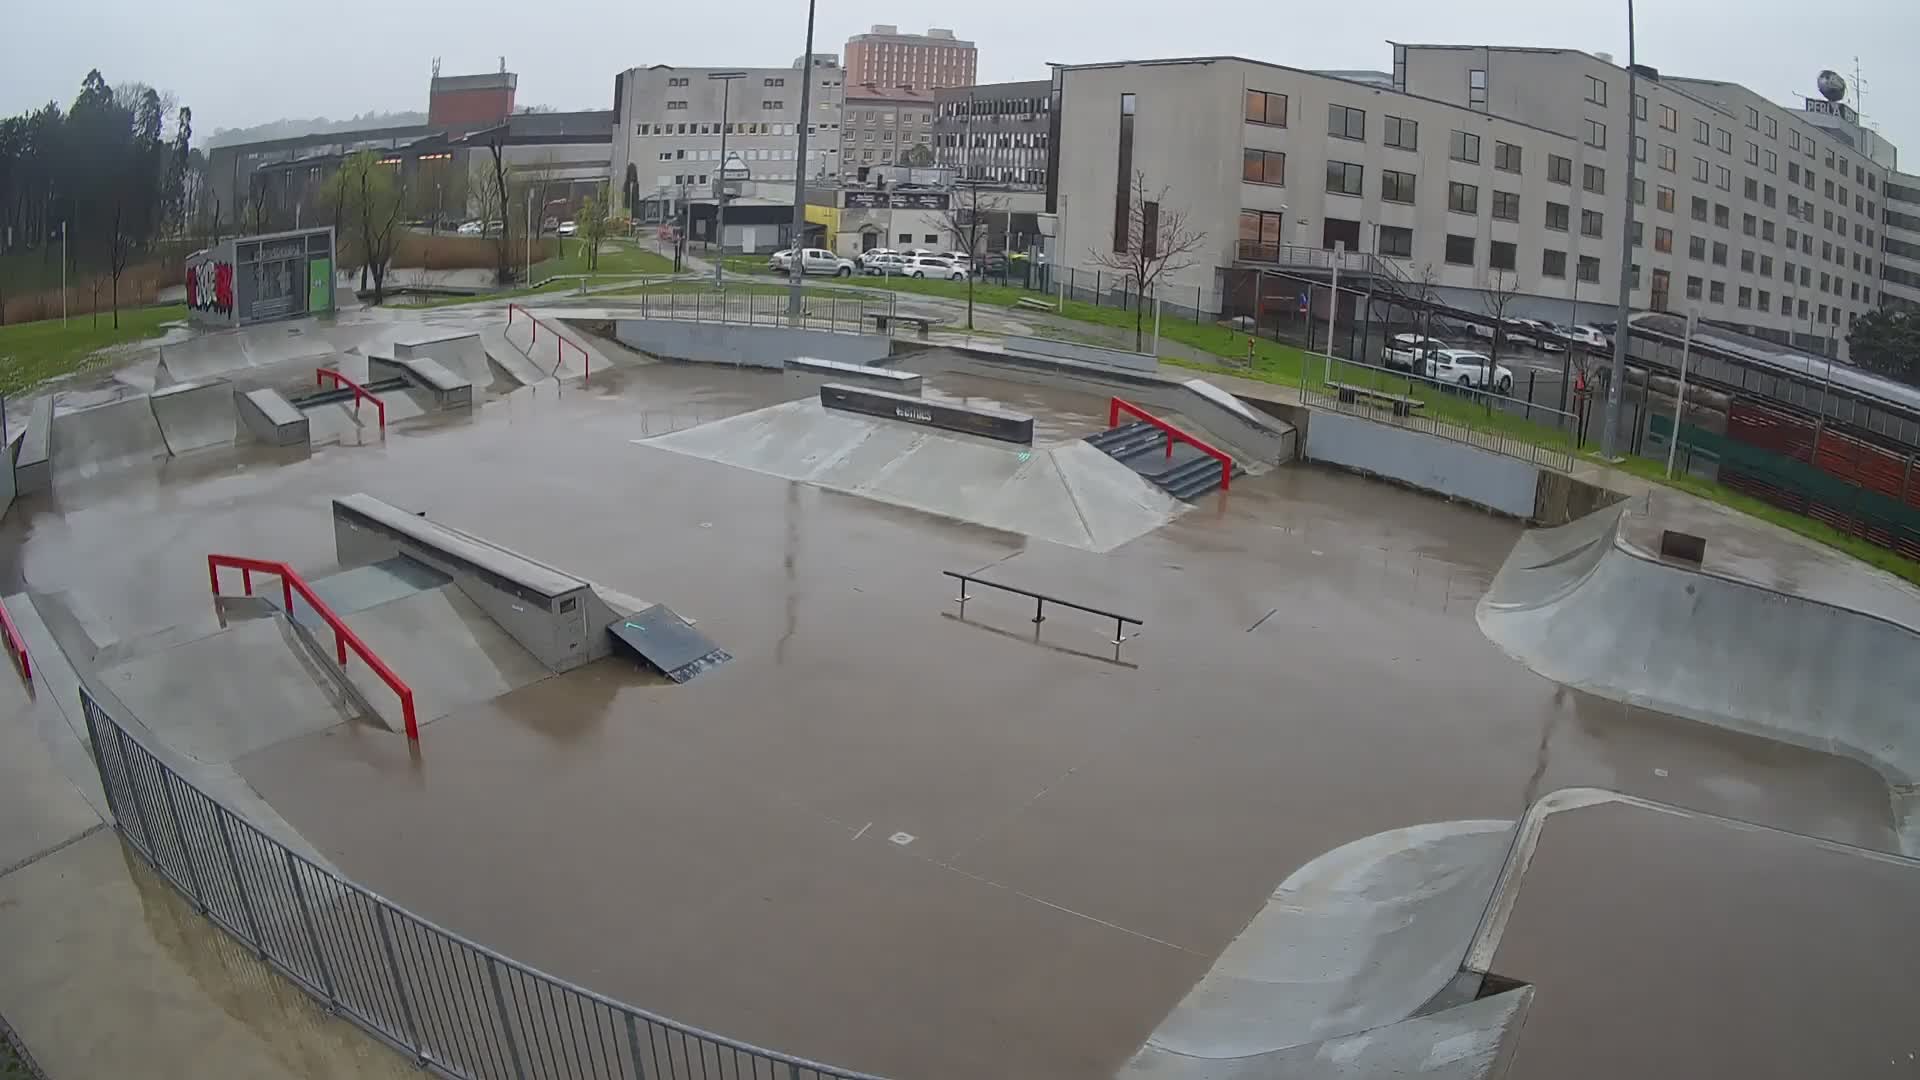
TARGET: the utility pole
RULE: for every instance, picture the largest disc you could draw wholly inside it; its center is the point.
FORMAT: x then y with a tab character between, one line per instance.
794	267
1610	433
725	79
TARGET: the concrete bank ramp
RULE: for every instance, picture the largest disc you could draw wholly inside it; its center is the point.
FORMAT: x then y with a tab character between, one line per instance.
102	438
449	652
1068	493
1617	622
1358	939
196	415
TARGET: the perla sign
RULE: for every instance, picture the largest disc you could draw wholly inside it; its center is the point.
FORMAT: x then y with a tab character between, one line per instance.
1832	108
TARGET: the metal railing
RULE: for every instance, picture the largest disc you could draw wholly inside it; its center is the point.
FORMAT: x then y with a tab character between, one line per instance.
343	636
1356	262
1117	406
1040	602
360	393
1488	420
16	645
843	312
457	1008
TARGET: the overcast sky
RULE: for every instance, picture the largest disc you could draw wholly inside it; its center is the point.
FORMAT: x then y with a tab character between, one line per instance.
239	64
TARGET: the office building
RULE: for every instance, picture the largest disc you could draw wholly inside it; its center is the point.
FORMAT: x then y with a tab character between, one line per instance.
1900	242
882	127
1490	167
995	133
886	57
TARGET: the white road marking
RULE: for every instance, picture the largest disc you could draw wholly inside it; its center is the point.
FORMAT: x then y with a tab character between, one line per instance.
863	830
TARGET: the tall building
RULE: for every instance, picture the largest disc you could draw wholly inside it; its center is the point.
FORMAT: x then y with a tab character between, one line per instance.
1488	168
881	127
1900	242
457	100
995	133
886	57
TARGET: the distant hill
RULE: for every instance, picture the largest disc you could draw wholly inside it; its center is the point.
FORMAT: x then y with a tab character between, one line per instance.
287	129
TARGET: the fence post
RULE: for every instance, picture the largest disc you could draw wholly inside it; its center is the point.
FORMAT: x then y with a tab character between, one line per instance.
633	1047
139	804
506	1021
239	881
180	835
399	984
313	935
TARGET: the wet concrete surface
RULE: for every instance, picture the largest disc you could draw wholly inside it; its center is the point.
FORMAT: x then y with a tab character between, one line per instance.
1669	946
883	836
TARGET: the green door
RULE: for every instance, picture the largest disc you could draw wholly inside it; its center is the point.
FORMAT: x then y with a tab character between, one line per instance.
319	285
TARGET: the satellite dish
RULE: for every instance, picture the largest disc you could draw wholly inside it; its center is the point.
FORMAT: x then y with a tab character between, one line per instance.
1832	86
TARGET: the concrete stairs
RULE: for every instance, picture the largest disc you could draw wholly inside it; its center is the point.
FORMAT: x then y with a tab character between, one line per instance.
1186	474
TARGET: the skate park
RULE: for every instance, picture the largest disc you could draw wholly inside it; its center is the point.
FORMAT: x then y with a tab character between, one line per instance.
1370	779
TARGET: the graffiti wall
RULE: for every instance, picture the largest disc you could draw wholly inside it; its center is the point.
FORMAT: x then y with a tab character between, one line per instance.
210	290
251	279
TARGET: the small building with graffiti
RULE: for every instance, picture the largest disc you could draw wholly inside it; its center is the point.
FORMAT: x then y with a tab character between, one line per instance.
250	279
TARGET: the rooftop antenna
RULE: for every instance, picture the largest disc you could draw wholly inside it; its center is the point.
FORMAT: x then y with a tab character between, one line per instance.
503	65
1859	91
436	67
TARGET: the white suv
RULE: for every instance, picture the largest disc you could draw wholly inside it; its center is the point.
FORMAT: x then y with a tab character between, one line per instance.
812	261
1468	369
924	266
1405	351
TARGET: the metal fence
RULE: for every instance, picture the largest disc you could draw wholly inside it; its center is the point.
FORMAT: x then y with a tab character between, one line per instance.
1461	413
849	311
460	1010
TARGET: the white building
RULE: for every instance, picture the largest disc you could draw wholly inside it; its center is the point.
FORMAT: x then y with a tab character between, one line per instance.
1900	242
1484	165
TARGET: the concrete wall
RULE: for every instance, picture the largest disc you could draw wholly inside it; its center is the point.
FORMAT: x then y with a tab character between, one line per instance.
752	346
1091	354
6	473
32	461
1427	462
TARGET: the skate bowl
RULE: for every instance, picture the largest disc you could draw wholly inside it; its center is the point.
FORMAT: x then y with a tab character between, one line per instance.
1583	607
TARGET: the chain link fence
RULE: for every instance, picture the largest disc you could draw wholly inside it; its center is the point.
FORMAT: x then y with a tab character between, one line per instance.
457	1008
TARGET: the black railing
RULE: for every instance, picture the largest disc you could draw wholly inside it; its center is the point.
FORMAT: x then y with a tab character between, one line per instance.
1040	602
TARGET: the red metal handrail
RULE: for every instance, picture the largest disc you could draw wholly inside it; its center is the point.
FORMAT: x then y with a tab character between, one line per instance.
586	362
343	637
16	645
321	376
1174	434
511	308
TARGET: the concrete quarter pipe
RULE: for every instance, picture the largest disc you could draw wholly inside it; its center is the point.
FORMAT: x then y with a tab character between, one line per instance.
1582	607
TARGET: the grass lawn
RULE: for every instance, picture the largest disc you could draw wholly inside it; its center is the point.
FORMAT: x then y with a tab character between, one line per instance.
616	257
31	353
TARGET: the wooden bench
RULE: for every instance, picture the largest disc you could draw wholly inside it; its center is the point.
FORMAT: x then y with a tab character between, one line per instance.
1035	304
882	320
1402	405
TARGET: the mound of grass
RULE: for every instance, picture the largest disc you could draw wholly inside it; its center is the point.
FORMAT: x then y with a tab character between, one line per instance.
31	353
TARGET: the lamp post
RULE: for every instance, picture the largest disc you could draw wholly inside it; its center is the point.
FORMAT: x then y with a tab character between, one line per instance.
794	267
725	79
1610	432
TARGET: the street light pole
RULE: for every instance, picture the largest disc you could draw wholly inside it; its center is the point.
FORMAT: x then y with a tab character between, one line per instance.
725	79
1610	432
794	267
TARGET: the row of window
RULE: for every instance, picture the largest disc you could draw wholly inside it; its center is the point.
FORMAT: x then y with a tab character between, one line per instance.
651	129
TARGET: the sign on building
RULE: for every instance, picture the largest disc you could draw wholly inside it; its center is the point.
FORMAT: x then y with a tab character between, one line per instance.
896	200
250	279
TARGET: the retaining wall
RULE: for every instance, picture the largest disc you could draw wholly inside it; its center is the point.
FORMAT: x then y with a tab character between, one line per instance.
1086	354
1456	470
750	346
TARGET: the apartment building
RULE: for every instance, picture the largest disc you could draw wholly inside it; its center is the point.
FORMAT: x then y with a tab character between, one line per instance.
995	133
668	129
886	57
881	127
1900	242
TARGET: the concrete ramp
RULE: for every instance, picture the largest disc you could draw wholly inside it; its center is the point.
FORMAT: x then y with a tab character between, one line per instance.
196	415
1069	493
1360	938
1614	621
87	442
507	356
568	362
462	354
446	649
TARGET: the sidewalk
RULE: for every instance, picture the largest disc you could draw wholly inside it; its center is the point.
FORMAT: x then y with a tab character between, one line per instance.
108	972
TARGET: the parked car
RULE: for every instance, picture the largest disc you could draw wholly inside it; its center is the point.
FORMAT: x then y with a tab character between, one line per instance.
1406	351
567	228
885	265
469	228
925	266
1468	368
1593	336
812	261
874	253
1542	335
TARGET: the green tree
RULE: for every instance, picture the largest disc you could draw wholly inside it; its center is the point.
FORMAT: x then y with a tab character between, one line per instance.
1887	342
371	204
591	226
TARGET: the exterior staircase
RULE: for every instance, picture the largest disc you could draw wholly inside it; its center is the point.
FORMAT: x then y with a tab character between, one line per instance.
1187	474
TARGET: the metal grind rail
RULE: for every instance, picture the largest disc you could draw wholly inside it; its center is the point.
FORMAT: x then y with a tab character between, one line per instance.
321	376
1040	602
343	637
560	344
16	645
1117	406
456	1008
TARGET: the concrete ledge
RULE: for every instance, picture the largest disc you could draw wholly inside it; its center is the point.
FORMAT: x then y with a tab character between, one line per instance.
1086	354
970	420
1458	471
195	415
813	372
749	346
32	469
271	418
448	390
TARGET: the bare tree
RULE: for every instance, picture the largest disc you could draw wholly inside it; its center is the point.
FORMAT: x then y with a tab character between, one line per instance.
1497	297
965	219
371	203
591	222
491	197
1156	240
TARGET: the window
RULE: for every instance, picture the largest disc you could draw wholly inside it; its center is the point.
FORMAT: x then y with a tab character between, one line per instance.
1343	178
1793	172
1403	134
1596	134
1594	178
1766	266
1639	189
1699	208
1749	225
1695	287
1769	196
1669	157
1773	162
1396	241
1702	131
1663	240
1826	220
1634	271
1557	216
1639	148
1265	108
773	106
1701	171
1345	123
1753	153
1463	198
676	82
1823	313
1640	106
1802	309
1793	139
1639	234
1264	167
1559	169
673	105
1669	120
1697	248
1753	118
1501	255
1396	186
1662	284
1263	229
1596	90
1746	261
1793	210
773	82
1663	199
1591	222
1123	176
1722	217
1477	91
1717	292
1719	253
1723	140
1506	157
1588	268
1766	300
1506	206
1750	188
1829	189
1773	128
1553	264
1459	250
1462	146
1722	178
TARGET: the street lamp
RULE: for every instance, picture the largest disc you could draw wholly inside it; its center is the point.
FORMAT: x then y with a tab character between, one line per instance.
725	79
794	267
1610	432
